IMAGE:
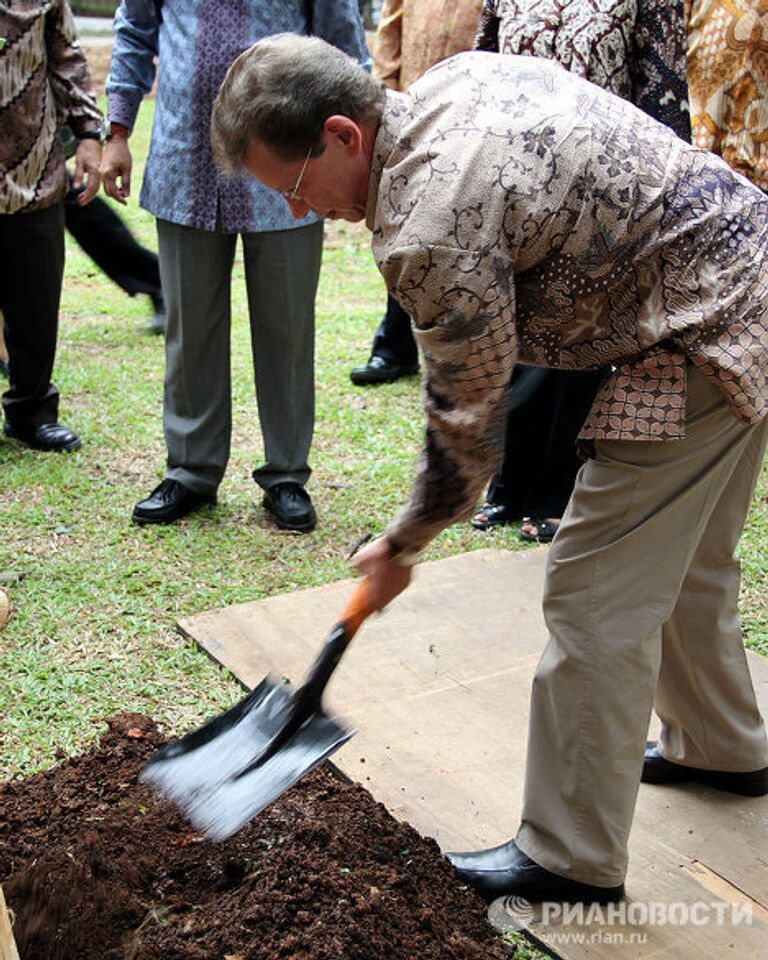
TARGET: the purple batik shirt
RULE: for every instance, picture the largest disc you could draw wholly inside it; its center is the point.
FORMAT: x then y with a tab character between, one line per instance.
194	43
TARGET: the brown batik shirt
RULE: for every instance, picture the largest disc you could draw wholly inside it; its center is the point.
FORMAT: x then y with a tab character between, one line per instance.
728	81
44	84
413	35
521	213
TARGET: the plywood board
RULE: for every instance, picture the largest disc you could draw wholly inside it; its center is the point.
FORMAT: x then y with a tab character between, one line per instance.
438	687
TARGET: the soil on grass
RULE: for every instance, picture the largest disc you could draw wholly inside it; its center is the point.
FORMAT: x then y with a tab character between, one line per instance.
94	867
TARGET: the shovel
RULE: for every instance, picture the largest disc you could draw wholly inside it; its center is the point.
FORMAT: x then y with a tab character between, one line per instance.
226	772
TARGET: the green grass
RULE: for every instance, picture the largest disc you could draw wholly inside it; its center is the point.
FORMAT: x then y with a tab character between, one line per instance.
96	598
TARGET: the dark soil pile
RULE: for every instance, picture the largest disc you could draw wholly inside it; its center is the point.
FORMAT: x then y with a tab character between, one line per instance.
95	868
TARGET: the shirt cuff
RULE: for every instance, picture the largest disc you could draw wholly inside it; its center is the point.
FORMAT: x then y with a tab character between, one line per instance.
122	109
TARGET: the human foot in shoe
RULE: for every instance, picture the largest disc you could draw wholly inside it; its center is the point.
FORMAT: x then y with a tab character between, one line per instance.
493	515
168	502
49	437
657	769
379	370
507	871
539	531
291	506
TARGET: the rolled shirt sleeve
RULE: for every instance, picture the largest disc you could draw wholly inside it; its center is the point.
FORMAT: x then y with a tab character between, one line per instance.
132	70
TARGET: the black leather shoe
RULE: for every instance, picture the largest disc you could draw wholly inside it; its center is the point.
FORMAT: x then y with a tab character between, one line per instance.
658	770
506	871
379	370
168	502
290	505
44	436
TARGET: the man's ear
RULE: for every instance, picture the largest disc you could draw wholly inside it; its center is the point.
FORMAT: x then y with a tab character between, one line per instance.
344	130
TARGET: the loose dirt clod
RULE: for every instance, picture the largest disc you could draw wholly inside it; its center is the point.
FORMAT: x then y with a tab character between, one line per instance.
95	868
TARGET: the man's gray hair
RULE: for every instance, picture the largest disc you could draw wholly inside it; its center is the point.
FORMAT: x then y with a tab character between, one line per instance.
281	91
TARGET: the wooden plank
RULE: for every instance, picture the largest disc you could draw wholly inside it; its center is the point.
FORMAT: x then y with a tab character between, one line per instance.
674	910
8	949
439	687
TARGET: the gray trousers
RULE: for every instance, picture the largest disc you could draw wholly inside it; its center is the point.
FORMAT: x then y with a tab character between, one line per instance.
641	605
281	272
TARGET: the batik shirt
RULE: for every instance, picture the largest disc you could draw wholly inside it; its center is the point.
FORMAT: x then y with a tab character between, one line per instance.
634	48
195	42
521	213
44	84
414	35
728	80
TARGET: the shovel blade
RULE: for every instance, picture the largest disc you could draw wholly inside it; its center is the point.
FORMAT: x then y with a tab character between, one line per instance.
234	802
221	748
207	773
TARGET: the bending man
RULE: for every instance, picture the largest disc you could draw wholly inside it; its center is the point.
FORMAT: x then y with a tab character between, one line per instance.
520	213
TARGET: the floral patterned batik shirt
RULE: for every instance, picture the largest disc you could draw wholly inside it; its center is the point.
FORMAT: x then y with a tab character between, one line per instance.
633	48
521	213
728	80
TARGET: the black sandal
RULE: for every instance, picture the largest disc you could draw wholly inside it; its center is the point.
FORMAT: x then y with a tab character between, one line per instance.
493	515
546	530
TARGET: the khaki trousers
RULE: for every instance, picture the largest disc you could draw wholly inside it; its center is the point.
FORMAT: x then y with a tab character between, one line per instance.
641	605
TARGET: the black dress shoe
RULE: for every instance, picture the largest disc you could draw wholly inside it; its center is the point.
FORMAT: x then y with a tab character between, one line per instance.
506	871
290	505
44	436
168	502
656	769
379	370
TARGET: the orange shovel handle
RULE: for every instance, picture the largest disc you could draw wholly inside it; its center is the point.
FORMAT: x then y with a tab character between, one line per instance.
357	609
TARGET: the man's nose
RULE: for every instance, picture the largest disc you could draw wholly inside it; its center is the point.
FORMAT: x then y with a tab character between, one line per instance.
298	208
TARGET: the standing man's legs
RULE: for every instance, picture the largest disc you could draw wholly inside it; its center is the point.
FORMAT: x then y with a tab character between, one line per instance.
195	267
282	268
31	272
547	409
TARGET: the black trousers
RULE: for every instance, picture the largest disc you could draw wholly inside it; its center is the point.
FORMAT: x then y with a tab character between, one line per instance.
111	245
547	411
393	340
31	271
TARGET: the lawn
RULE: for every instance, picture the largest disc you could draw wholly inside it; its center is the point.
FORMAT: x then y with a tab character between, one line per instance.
97	598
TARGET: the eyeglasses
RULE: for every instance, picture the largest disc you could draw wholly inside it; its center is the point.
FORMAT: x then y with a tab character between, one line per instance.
293	193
